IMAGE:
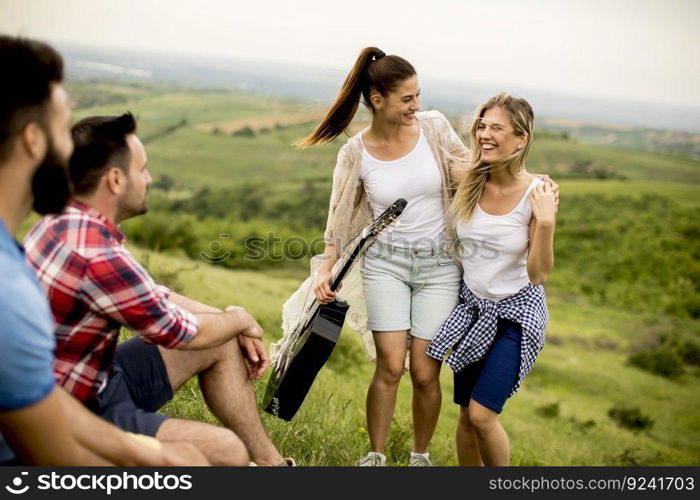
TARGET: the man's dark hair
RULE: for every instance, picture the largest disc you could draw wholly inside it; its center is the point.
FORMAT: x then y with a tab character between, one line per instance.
99	143
28	67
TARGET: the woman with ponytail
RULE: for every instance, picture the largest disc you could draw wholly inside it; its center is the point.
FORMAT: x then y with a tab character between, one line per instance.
410	277
505	222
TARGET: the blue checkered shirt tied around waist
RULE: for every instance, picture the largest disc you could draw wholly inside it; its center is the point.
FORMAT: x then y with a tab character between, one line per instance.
471	328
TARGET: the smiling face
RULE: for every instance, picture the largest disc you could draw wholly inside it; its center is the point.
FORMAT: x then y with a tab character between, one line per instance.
496	136
401	104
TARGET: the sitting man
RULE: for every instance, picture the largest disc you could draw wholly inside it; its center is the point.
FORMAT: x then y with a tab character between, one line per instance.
95	286
40	423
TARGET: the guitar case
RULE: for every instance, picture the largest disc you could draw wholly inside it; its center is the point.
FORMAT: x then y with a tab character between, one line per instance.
285	393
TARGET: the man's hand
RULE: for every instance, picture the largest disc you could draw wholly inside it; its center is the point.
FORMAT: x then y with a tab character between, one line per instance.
248	326
218	327
249	340
255	354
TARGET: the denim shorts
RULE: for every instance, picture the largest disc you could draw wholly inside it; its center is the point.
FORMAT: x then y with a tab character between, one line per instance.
409	289
490	380
137	387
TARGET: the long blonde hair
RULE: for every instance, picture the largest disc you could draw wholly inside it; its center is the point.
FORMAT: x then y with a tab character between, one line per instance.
469	191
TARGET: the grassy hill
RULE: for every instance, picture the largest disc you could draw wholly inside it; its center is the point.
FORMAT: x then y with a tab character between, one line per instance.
178	128
644	139
559	417
617	381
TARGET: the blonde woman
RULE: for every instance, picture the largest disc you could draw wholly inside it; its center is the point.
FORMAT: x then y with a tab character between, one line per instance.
505	222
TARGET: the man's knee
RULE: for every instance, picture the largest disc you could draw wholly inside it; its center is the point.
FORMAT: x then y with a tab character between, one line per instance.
228	350
182	453
226	448
220	445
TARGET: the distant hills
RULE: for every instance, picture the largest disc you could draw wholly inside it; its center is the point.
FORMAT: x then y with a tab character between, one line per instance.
320	84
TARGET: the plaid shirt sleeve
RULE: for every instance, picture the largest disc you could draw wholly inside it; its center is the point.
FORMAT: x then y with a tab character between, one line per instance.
116	286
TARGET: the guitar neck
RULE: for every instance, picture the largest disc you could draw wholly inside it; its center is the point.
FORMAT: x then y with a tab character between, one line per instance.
347	264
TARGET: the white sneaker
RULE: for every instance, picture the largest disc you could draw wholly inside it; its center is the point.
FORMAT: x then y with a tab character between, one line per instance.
420	460
373	459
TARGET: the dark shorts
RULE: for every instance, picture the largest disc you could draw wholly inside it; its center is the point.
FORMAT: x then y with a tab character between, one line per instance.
137	387
490	380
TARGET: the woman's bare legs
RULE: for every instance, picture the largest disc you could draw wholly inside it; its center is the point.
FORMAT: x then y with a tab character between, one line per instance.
427	397
467	442
381	395
491	437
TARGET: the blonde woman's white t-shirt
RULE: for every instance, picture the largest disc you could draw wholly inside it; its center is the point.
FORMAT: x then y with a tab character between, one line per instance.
495	248
416	178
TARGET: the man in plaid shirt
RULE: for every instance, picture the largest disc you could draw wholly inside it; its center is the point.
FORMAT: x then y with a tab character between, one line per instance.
40	423
95	286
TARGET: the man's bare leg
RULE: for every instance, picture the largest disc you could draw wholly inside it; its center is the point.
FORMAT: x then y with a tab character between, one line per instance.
219	445
223	378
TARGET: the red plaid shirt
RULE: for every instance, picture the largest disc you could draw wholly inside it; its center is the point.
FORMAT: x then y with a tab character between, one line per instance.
95	286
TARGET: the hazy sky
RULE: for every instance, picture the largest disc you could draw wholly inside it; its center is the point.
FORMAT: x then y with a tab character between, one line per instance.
640	49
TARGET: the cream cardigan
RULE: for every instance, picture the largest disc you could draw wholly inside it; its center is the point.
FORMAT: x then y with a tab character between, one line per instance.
349	212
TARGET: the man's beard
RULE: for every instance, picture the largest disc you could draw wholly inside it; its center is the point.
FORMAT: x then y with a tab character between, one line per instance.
51	186
126	208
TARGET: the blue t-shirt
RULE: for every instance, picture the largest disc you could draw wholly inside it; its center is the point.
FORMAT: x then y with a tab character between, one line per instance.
26	334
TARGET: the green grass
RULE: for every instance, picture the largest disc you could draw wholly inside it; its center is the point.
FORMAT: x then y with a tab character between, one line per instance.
687	194
583	368
556	155
193	157
156	110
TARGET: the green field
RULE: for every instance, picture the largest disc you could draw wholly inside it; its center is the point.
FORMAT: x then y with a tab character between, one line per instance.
687	194
583	369
625	280
197	158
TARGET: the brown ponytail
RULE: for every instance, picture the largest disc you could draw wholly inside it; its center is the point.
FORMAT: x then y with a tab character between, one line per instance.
373	70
